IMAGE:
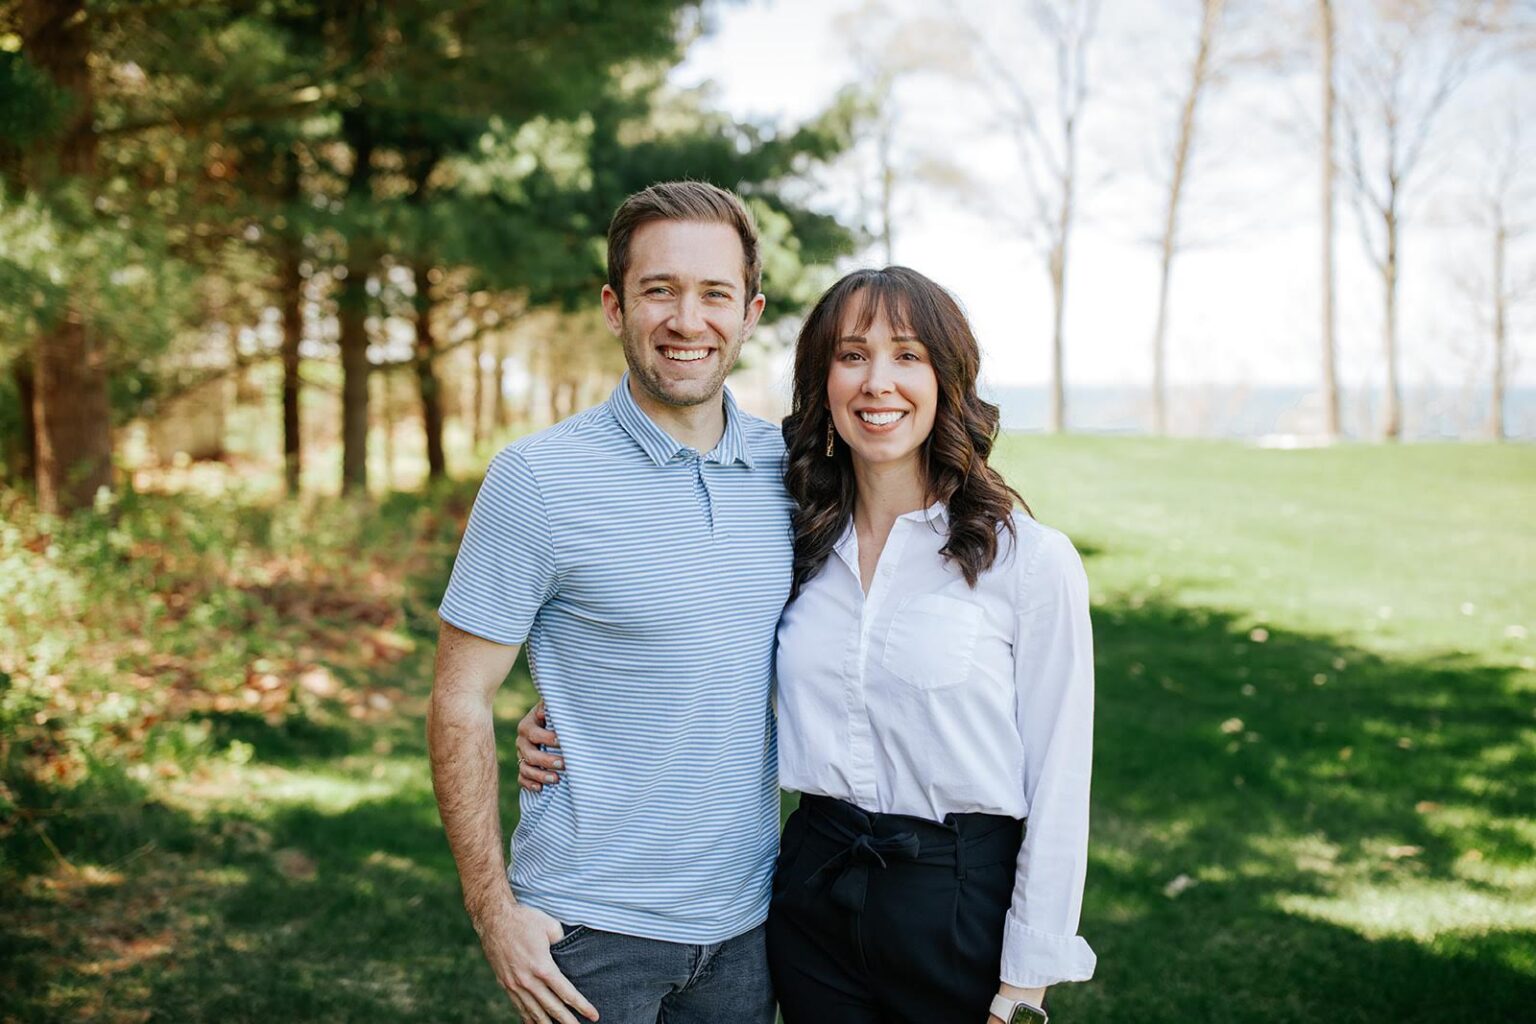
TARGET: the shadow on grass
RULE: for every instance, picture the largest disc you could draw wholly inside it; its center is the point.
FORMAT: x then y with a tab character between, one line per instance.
1289	829
347	915
1348	831
294	739
106	818
367	925
262	910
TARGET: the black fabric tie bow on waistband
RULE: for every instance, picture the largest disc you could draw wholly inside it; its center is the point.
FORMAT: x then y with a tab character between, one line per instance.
847	872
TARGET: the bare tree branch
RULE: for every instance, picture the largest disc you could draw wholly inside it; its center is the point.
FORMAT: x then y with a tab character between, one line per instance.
1046	135
1403	64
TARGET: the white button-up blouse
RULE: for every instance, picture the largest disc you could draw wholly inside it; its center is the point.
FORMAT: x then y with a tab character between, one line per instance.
927	697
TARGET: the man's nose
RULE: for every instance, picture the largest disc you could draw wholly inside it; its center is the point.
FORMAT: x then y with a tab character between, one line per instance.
688	317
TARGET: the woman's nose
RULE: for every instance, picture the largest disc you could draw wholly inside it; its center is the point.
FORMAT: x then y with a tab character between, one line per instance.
877	380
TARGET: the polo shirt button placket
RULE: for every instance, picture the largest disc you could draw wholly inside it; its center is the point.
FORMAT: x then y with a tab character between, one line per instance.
701	491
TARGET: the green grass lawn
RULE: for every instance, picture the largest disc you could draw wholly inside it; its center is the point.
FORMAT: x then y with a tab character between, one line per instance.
1316	747
1315	791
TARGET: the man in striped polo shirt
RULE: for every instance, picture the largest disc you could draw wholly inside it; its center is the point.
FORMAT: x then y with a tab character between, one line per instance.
642	551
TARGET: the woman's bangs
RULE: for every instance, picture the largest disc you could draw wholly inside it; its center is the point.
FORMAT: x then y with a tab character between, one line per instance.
868	298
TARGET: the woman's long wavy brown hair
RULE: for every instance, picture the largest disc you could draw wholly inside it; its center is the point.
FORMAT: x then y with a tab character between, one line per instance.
954	455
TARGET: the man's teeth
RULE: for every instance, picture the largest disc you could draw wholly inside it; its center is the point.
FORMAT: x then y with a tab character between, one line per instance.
685	355
880	419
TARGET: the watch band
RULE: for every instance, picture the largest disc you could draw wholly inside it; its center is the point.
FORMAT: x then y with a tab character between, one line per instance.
1017	1011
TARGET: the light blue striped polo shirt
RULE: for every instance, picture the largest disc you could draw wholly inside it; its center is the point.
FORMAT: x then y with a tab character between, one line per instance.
647	581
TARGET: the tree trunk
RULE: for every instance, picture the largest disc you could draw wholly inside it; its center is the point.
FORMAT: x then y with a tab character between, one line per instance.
887	189
354	390
1058	308
499	411
1058	269
291	301
73	416
1060	247
71	406
21	457
1160	334
562	399
1500	334
1331	425
1210	16
476	417
1393	428
421	160
237	368
426	375
354	380
387	414
352	314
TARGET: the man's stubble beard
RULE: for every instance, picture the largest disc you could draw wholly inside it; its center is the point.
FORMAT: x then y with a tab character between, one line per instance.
656	388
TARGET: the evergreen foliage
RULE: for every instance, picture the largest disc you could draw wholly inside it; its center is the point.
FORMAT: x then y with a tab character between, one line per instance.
321	162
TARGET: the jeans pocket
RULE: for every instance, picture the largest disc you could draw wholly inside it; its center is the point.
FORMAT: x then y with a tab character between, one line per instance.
572	933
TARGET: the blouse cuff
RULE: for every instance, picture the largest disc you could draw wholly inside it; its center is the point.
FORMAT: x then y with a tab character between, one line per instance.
1033	958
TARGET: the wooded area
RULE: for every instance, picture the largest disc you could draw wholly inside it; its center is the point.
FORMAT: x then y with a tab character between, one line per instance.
177	174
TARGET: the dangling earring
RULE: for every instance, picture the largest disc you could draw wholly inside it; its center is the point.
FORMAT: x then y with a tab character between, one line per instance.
831	439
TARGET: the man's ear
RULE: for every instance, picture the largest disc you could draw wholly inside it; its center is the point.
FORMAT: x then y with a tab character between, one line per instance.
613	311
754	313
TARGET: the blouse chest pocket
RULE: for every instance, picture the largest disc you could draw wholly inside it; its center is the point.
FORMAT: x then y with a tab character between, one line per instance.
931	640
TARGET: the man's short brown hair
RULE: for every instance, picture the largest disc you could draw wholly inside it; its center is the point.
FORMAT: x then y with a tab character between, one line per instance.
688	201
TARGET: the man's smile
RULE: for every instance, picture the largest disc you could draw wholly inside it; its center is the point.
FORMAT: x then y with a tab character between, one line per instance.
685	355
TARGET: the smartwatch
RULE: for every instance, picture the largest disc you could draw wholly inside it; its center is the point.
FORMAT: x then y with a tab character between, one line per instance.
1017	1011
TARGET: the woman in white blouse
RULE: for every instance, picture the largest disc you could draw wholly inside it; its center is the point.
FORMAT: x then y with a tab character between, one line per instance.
935	688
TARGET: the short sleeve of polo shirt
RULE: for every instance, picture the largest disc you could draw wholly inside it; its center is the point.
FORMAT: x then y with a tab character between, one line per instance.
505	570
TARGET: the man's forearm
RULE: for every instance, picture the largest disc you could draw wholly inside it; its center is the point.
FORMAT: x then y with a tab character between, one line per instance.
461	735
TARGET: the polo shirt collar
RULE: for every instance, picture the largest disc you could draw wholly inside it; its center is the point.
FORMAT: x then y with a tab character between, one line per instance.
661	447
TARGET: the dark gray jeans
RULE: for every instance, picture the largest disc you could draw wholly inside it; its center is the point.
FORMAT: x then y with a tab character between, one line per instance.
646	981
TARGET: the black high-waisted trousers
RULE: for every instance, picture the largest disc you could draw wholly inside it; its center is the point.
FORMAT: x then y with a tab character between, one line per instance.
889	919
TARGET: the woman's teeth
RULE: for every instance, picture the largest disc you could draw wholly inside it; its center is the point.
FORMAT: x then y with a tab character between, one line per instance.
685	355
880	419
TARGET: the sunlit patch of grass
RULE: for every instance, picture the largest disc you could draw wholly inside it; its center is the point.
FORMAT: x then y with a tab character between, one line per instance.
1419	908
388	982
1435	536
224	788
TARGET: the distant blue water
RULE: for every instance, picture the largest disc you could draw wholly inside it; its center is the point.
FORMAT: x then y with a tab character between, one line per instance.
1256	412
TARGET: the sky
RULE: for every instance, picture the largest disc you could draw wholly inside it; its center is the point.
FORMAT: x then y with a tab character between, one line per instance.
1245	298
